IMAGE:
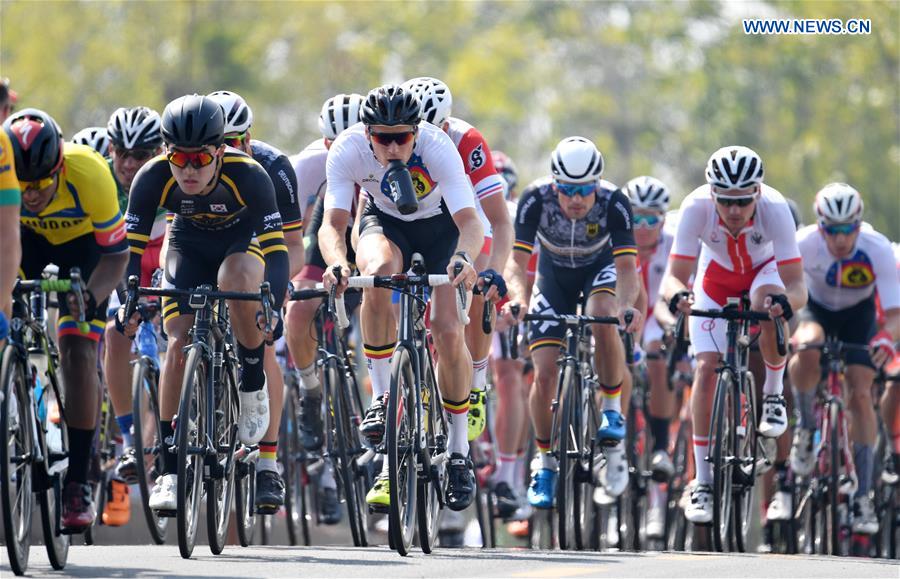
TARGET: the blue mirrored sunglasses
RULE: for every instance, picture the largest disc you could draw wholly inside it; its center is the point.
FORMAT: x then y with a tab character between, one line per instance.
648	221
573	189
840	228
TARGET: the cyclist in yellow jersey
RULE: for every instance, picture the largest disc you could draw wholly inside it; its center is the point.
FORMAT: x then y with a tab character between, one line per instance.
70	217
10	198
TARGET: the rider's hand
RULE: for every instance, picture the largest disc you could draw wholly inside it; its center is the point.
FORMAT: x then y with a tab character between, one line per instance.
495	284
637	319
329	278
90	305
778	306
513	312
130	328
882	348
681	302
275	331
468	276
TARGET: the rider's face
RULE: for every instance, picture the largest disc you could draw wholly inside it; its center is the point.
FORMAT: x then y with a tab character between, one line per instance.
193	180
390	143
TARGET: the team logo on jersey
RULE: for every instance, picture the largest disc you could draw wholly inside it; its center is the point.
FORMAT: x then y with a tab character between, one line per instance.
592	229
218	208
476	158
756	238
854	272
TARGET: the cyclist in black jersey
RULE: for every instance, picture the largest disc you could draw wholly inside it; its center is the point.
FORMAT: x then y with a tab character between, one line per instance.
224	206
238	120
584	226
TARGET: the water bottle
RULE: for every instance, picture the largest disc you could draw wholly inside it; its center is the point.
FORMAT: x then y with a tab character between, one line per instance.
402	189
147	341
39	395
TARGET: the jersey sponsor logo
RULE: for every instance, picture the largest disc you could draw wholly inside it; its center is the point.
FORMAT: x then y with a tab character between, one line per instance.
287	183
621	208
853	272
421	179
187	206
51	224
218	208
524	210
605	276
756	238
132	218
4	168
272	217
539	305
476	158
592	229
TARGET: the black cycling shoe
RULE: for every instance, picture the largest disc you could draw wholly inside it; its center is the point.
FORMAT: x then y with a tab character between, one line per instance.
126	468
372	426
460	482
329	506
507	501
310	427
269	492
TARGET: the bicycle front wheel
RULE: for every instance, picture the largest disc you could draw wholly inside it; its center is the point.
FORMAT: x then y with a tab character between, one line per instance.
400	436
244	493
15	460
433	484
147	445
722	428
568	447
348	446
746	449
189	440
220	485
291	457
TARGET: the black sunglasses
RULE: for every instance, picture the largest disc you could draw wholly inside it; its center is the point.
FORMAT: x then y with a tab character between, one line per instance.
386	139
727	201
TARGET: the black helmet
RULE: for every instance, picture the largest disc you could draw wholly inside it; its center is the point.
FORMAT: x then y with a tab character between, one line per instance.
193	121
390	105
37	144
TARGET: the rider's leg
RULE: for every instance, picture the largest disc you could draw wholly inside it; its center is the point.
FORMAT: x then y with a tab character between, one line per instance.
454	367
78	361
805	371
510	416
479	345
863	423
171	378
117	370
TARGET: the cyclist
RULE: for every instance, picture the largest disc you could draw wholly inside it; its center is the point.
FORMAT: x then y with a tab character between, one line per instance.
70	217
238	120
584	225
95	138
10	199
444	227
338	113
436	102
890	401
748	245
844	261
650	201
221	199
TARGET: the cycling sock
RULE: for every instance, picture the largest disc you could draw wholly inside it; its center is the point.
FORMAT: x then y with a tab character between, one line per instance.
309	381
804	408
774	378
170	459
326	481
506	469
612	397
479	373
81	445
268	450
458	439
547	459
252	376
125	423
701	449
378	361
520	469
657	495
862	459
659	429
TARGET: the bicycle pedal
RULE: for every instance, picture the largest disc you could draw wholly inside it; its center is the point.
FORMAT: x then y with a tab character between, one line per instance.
73	531
608	442
166	514
379	509
267	509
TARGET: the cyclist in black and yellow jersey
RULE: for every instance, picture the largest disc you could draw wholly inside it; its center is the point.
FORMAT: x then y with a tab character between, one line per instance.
70	217
221	199
10	198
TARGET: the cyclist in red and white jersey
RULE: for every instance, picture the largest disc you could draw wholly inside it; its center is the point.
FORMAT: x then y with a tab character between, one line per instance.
890	401
748	245
436	102
845	261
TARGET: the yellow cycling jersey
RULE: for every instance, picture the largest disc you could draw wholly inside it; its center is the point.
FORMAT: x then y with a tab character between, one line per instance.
9	183
85	202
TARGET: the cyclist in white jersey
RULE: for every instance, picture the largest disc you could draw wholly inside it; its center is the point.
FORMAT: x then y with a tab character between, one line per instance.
436	102
845	261
890	402
748	245
443	227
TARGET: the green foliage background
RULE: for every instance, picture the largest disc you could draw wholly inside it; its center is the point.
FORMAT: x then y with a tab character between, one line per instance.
657	85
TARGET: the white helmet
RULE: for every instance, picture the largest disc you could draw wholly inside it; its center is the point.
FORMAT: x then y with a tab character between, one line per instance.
576	160
734	167
238	116
648	193
135	128
838	203
434	97
338	113
95	138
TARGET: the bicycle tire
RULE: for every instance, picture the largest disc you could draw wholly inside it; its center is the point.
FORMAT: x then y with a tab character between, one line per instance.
188	432
103	449
17	497
722	428
401	456
746	449
145	405
55	542
566	443
289	455
675	524
244	493
433	486
220	489
834	481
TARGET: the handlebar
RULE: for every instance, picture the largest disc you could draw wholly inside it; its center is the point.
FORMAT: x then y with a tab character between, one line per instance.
733	314
569	320
74	285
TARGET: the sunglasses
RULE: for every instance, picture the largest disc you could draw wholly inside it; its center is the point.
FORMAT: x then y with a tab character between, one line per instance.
385	139
139	155
37	185
235	141
647	221
729	201
840	228
572	189
197	160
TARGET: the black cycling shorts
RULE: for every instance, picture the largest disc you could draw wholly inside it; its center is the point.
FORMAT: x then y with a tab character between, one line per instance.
854	325
559	290
434	237
81	252
315	265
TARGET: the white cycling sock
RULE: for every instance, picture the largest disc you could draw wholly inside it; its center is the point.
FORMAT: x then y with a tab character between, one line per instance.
327	479
506	469
378	361
479	373
774	378
309	381
458	435
701	449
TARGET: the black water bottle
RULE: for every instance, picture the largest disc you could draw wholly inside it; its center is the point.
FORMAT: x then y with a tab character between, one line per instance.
402	189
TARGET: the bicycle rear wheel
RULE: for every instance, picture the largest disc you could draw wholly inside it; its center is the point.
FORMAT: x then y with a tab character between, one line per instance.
244	493
147	446
746	449
220	484
189	440
568	447
432	486
17	498
104	451
402	460
722	428
290	455
833	520
56	543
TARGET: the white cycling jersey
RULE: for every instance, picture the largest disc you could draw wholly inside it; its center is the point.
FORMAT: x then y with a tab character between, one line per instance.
838	284
435	166
309	165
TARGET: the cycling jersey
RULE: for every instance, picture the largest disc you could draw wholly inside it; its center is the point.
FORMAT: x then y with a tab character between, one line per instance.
9	183
571	243
84	203
435	166
479	165
838	284
652	271
309	168
241	204
280	171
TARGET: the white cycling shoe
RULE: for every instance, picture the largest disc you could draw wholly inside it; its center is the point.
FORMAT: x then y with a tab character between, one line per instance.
163	497
700	509
254	419
774	416
615	472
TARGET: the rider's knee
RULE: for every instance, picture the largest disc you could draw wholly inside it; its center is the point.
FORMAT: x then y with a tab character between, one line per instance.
705	373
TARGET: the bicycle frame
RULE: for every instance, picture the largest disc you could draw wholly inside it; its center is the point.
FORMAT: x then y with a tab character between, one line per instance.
833	397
